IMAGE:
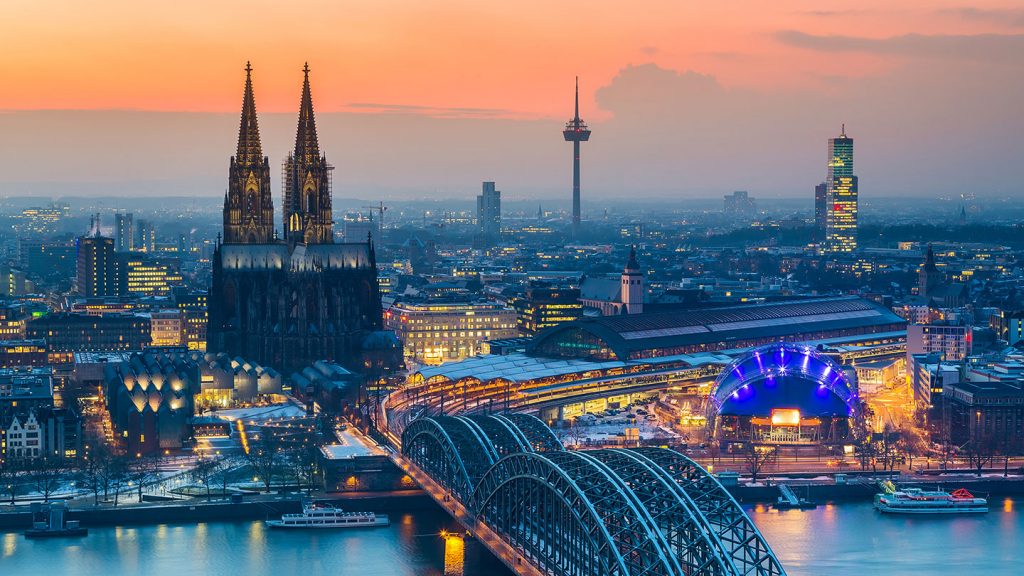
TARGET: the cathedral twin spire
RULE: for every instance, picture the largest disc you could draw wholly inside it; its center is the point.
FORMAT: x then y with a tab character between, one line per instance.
248	207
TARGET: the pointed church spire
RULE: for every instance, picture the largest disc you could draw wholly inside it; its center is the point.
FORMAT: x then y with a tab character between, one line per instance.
632	264
250	152
929	260
307	148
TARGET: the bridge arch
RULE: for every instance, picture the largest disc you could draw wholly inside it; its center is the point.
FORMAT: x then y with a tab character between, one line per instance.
747	548
539	434
450	449
540	509
697	547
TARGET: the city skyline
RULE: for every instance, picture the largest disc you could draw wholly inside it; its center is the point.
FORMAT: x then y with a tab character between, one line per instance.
675	115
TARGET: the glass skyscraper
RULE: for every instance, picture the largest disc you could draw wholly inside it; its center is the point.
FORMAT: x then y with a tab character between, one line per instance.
841	196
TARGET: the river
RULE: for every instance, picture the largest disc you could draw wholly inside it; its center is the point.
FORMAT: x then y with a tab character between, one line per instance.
838	540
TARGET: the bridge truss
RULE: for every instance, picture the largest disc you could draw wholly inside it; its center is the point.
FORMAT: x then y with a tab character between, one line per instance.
612	512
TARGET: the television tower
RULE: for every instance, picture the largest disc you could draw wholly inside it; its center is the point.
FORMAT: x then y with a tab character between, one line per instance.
576	131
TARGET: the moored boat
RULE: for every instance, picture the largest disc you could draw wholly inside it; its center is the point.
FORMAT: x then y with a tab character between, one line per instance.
918	501
327	516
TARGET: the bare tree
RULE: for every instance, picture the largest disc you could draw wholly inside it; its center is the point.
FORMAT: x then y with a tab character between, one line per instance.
980	451
11	478
265	457
758	457
116	474
90	475
142	471
225	465
47	474
912	443
204	472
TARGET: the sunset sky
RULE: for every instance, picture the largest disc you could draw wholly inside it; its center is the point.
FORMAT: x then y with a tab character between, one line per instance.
686	98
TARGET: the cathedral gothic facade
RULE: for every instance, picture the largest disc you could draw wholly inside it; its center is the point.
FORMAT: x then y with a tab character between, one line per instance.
288	301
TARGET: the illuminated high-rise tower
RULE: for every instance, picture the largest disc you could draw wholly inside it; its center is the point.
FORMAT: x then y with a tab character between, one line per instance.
576	131
841	196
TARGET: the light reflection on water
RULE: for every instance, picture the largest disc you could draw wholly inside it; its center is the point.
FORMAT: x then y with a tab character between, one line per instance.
854	539
409	547
835	539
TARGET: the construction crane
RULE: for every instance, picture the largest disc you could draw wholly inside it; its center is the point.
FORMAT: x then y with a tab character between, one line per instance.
380	209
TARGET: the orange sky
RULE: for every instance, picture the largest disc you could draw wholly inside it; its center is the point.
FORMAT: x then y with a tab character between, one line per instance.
516	58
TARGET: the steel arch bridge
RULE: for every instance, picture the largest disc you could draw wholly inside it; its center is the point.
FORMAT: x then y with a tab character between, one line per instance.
611	512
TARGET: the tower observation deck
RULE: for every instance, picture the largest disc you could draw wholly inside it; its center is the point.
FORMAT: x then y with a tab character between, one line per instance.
576	131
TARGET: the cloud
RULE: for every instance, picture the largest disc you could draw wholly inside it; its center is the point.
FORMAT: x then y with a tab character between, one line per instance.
432	111
1011	17
1001	48
929	127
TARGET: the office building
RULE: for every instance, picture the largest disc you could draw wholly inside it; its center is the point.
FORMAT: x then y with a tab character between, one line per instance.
544	306
488	211
820	210
13	282
99	268
67	333
148	277
437	332
192	306
46	259
145	236
991	413
840	197
166	328
12	322
950	339
124	232
739	204
15	353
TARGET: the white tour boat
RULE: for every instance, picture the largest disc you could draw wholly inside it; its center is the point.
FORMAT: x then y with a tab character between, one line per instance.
917	501
326	516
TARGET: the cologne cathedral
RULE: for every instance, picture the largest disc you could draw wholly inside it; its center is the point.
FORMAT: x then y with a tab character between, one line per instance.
289	300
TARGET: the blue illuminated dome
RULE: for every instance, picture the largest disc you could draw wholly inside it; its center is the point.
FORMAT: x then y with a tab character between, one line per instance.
783	377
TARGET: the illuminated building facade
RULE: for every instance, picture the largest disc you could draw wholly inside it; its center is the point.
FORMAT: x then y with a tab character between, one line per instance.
166	328
841	197
41	220
12	323
14	283
99	268
192	306
150	278
951	339
433	333
14	353
545	306
68	332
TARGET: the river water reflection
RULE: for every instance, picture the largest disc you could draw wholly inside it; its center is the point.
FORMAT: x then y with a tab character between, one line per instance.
837	540
854	539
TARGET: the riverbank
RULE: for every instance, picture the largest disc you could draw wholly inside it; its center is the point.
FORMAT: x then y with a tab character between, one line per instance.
828	491
252	507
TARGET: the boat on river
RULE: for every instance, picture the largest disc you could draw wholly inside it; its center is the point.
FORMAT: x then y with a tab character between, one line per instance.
327	516
918	501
